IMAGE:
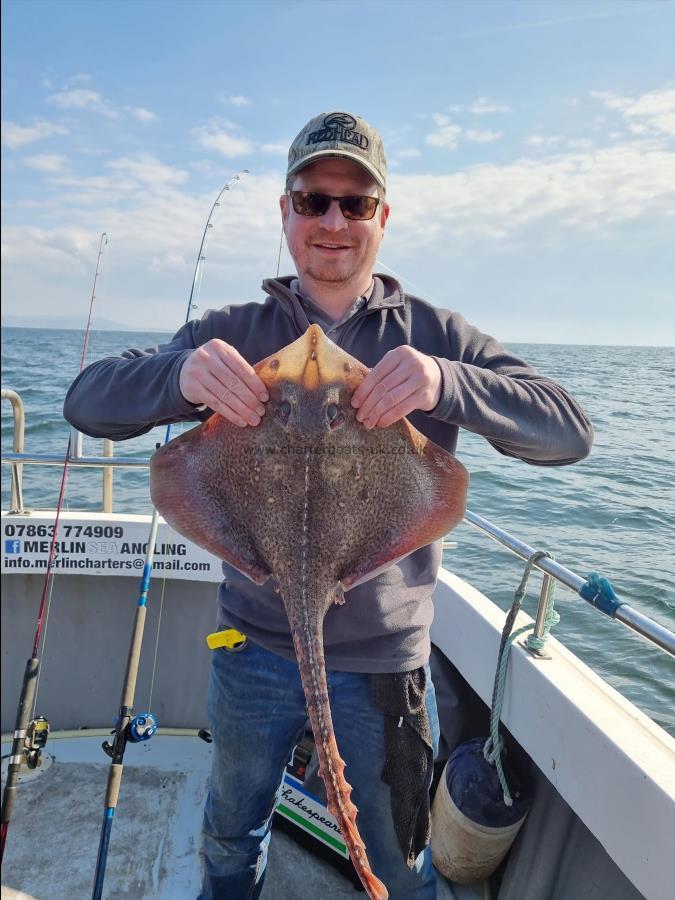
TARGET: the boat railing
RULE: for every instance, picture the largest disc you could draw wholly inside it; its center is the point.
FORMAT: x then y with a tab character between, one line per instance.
632	618
19	425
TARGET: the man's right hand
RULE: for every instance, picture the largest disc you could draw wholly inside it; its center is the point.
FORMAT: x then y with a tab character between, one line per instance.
217	375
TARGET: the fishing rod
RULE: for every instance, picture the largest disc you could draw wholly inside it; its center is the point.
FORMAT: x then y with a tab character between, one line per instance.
31	736
144	725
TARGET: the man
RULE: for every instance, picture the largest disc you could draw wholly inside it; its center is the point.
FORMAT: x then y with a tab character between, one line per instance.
426	363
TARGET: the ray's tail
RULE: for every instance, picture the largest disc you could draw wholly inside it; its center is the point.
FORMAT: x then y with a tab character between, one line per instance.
308	642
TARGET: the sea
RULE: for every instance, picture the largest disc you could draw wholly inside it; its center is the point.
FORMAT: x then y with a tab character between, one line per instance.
613	513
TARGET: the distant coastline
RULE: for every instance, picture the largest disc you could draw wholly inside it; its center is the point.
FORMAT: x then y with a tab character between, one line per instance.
108	325
71	323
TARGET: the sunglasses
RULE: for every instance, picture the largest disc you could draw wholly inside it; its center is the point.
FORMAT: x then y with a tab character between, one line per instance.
311	203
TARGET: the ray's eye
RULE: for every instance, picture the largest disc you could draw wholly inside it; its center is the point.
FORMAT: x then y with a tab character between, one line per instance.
283	412
335	417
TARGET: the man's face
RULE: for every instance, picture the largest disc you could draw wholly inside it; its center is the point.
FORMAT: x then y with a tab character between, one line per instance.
330	248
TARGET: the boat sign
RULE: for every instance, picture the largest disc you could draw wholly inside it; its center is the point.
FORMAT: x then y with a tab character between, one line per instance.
100	544
310	814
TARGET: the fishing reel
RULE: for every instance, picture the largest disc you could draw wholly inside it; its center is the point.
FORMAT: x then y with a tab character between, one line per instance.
141	728
35	742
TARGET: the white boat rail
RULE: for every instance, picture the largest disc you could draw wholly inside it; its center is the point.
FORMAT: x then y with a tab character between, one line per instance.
17	444
615	608
654	632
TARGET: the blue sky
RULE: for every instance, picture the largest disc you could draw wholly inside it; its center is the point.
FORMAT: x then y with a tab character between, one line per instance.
531	148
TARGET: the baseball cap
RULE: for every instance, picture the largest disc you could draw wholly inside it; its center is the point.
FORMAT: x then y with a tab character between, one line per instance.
339	134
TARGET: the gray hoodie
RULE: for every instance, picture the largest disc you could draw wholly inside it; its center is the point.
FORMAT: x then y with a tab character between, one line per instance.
384	625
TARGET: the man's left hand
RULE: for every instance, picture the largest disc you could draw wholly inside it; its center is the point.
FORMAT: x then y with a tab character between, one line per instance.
403	380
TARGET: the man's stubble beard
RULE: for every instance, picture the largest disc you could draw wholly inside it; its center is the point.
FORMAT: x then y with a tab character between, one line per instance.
324	272
328	277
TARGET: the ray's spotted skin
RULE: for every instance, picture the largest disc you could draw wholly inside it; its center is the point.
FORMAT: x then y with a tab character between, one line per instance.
314	499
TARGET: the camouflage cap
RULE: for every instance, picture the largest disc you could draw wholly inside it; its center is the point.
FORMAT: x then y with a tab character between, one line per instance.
339	134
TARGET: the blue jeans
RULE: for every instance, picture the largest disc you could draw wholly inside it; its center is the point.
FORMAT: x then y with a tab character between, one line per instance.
257	714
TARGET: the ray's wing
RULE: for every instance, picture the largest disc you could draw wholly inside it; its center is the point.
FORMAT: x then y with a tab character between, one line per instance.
194	482
426	498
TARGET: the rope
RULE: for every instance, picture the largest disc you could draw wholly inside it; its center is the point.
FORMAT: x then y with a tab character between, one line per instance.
494	745
551	618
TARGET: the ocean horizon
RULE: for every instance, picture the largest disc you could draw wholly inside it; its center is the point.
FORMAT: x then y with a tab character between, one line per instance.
124	329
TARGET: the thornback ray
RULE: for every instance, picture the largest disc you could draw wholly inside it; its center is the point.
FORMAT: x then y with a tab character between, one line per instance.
317	501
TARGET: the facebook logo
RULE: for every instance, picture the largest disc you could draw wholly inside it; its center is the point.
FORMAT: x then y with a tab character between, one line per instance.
13	546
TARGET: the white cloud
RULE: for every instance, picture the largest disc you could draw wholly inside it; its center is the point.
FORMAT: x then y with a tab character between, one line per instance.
445	136
14	135
75	97
148	170
539	140
93	191
652	113
63	249
130	177
152	214
481	107
82	98
86	99
237	100
46	162
581	191
154	236
168	262
224	142
584	143
141	114
483	137
280	148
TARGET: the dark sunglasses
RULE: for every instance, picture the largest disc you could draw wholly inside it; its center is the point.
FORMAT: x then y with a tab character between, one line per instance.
311	203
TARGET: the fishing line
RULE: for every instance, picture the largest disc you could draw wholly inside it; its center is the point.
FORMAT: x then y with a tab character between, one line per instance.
402	278
142	726
154	660
281	244
32	671
44	644
66	505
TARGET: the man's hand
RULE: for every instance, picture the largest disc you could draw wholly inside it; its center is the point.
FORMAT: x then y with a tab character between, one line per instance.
217	375
402	381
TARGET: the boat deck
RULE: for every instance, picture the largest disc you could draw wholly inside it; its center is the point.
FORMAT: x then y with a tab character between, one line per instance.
155	844
602	772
